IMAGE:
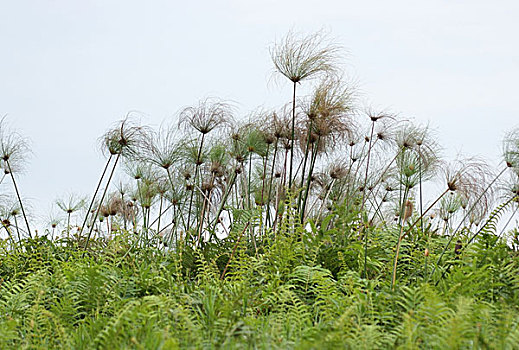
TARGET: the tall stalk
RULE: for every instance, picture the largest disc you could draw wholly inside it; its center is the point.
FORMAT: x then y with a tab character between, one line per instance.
234	250
19	197
201	223
327	192
95	194
420	184
228	191
293	134
364	201
401	236
205	204
123	205
197	165
160	213
277	215
350	178
381	177
508	221
249	181
101	202
264	174
308	139
309	178
17	229
263	178
271	180
367	166
68	225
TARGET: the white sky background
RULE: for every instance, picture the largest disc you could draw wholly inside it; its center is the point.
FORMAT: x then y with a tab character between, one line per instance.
70	69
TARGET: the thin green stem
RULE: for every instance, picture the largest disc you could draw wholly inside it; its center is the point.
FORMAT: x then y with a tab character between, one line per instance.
308	139
366	236
19	198
401	236
101	202
95	194
309	178
293	134
197	165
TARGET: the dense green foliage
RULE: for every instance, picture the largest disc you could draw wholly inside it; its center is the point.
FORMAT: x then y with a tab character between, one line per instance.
302	289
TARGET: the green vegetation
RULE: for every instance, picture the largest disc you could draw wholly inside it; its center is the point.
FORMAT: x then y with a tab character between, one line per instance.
313	226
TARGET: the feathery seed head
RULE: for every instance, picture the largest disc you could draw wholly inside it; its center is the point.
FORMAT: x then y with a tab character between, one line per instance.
511	150
14	149
71	203
209	114
299	57
125	139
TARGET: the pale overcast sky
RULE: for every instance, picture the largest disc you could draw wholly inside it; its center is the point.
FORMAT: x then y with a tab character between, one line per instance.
70	69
